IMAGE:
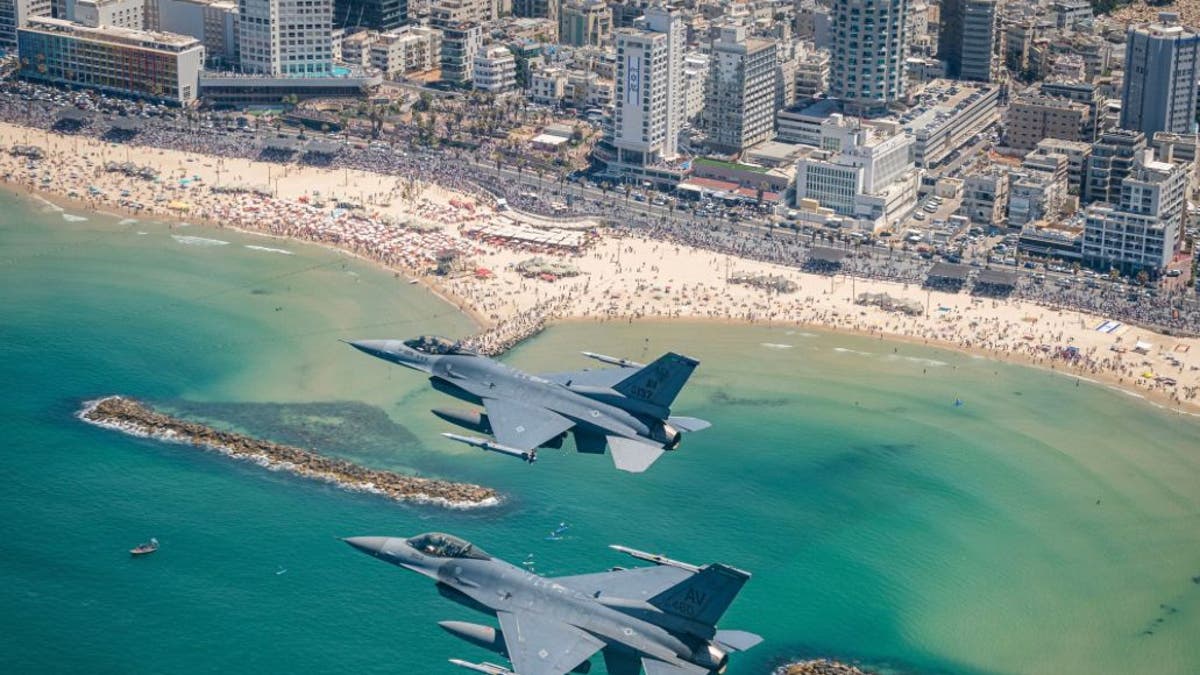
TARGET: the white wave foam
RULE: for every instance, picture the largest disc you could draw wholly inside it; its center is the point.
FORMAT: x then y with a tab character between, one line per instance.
917	359
128	221
846	350
775	345
72	218
1126	391
268	249
198	241
266	462
49	204
142	233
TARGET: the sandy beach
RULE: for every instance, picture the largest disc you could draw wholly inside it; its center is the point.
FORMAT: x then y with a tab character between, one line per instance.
407	225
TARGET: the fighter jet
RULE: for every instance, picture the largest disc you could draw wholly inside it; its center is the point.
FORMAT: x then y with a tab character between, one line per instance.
627	408
660	618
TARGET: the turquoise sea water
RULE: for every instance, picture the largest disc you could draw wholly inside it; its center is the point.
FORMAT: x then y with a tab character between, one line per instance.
1042	527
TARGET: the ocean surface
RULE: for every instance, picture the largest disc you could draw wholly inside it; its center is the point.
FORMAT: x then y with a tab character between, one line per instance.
1043	526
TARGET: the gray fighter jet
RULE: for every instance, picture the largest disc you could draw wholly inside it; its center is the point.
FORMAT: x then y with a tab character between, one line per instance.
660	618
626	408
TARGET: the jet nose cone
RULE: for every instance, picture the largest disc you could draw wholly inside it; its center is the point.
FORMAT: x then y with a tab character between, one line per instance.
372	347
369	545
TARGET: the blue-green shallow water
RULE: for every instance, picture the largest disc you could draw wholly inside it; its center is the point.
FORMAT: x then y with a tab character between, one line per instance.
1040	527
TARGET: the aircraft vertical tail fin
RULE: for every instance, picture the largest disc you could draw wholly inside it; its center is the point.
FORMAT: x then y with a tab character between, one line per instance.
704	596
659	382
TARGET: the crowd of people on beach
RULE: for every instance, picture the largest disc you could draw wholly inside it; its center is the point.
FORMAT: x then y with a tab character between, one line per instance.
634	283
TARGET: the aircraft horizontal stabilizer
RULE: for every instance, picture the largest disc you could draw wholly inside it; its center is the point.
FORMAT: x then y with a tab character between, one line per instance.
737	640
689	424
632	456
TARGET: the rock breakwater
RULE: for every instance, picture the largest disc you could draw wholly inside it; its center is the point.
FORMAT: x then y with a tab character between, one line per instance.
819	667
133	417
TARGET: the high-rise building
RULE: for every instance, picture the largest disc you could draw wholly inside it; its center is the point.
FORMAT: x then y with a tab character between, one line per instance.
16	14
373	14
739	108
967	38
1162	63
585	23
1111	161
868	51
650	99
212	22
290	38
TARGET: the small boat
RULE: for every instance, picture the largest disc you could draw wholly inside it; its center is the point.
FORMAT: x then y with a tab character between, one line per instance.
146	548
558	532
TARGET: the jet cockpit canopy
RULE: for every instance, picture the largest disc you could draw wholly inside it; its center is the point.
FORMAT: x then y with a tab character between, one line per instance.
437	345
442	545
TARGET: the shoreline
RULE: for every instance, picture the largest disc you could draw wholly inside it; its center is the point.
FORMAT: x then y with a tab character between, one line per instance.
1157	399
509	309
119	413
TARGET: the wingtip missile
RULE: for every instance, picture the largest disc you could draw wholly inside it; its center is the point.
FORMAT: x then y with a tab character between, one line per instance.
612	360
654	558
489	668
529	456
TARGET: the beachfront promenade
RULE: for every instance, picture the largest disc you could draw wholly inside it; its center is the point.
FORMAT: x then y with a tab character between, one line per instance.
410	219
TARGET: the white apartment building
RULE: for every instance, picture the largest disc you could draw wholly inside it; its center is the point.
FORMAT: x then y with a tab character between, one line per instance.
1142	231
495	70
548	85
862	173
289	38
407	49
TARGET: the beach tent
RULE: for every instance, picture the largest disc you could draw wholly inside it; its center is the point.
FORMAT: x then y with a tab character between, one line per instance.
825	259
1143	347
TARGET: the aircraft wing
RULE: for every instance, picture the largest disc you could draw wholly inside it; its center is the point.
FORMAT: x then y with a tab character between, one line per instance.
521	426
541	646
639	583
599	377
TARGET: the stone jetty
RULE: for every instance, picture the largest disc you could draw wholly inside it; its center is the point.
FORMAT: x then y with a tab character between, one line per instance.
132	417
819	667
